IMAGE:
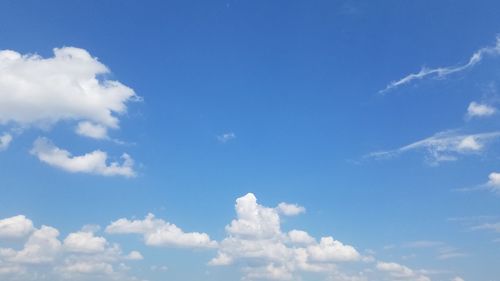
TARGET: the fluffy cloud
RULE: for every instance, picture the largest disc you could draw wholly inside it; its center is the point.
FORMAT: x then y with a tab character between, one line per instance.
494	182
401	272
441	72
5	140
95	162
480	110
38	91
82	254
157	232
41	247
443	146
15	227
255	239
290	209
84	242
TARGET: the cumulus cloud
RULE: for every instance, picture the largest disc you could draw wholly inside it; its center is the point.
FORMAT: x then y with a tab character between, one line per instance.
84	242
95	162
255	238
43	256
15	227
401	272
37	91
443	146
5	141
157	232
290	209
442	72
480	110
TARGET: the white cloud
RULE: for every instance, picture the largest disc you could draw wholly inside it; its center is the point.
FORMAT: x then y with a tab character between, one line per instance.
68	86
81	256
5	141
157	232
457	279
226	137
95	162
480	110
84	242
442	72
332	250
91	130
443	146
401	272
134	256
41	247
290	209
494	182
15	227
300	237
255	239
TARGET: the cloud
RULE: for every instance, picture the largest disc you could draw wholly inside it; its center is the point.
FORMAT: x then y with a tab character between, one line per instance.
84	242
134	256
401	272
226	137
91	130
70	86
442	72
290	209
255	239
494	182
480	110
488	226
44	257
157	232
15	227
95	162
443	146
5	141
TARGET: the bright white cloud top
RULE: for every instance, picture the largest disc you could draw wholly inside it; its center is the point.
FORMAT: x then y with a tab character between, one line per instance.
15	227
255	238
38	91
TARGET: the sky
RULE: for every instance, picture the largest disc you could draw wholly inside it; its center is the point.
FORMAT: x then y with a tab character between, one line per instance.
249	140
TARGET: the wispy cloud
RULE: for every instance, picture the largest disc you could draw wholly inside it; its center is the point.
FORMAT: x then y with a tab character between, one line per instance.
443	146
226	137
442	72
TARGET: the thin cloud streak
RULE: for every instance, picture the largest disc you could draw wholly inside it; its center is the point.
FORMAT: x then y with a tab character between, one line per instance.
442	72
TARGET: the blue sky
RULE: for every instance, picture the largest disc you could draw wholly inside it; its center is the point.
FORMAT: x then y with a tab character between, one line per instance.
252	140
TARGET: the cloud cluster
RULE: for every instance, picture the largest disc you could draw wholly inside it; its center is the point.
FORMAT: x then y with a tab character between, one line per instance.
81	254
442	72
70	87
255	238
255	243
